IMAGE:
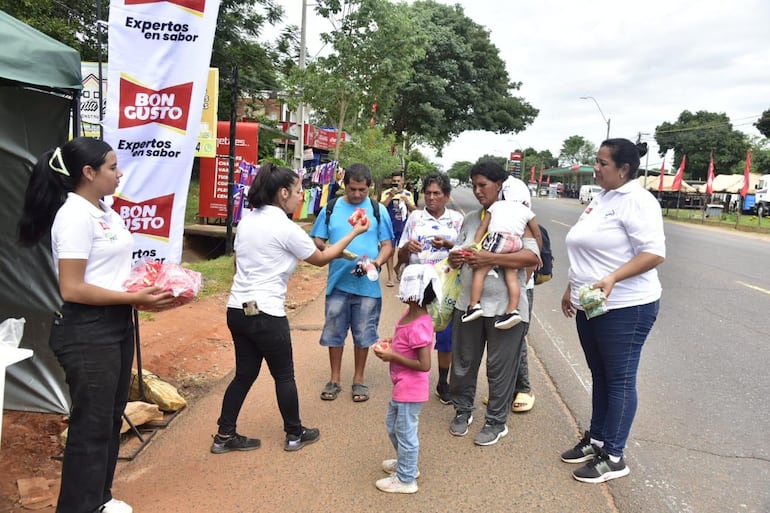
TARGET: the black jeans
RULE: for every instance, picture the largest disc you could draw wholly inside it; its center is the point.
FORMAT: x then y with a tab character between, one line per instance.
256	338
95	347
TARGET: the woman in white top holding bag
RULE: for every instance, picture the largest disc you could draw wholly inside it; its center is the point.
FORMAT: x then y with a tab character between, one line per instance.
613	248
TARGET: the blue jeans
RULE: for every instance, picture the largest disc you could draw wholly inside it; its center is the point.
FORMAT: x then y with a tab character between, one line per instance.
612	344
359	313
95	347
257	338
402	422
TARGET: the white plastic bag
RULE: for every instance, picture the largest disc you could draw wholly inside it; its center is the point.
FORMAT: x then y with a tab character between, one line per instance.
11	331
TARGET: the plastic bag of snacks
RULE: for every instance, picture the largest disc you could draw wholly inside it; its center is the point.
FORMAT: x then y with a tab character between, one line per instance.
184	284
593	301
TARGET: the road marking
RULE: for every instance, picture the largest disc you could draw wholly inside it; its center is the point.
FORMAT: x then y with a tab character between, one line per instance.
760	289
572	361
563	224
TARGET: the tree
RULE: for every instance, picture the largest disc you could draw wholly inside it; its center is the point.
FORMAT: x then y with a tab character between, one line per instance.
697	135
374	149
577	150
461	170
763	123
72	22
460	83
418	165
374	45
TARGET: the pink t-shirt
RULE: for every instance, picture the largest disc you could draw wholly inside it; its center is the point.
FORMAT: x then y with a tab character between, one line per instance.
411	386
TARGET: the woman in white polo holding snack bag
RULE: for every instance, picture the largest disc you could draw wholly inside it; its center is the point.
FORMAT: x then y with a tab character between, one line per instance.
614	293
267	246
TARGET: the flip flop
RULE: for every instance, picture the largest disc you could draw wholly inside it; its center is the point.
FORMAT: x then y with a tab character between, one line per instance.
389	284
360	393
523	402
330	391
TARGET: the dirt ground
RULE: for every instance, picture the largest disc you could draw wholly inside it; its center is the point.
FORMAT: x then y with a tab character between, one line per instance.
189	347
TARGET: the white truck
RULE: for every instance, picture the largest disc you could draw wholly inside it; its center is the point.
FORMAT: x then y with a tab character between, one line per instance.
762	196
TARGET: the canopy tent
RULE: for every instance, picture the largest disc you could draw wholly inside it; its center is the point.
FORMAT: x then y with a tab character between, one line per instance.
39	84
568	171
653	182
730	184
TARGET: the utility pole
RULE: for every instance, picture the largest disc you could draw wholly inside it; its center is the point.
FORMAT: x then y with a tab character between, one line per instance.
299	145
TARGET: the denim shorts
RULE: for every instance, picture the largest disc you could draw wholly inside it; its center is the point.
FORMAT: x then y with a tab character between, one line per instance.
359	313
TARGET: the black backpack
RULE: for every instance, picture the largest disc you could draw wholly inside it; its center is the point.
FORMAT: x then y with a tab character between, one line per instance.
330	207
545	273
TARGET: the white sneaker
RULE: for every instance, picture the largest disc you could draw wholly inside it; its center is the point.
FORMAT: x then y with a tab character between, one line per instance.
116	506
390	466
393	484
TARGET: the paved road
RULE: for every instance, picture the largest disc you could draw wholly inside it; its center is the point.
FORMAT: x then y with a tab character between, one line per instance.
701	439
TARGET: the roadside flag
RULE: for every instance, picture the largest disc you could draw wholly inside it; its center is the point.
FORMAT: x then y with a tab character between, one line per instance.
710	176
746	171
679	174
662	174
548	180
541	176
532	174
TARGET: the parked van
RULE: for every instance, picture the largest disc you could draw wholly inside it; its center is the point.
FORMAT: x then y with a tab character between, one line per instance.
587	193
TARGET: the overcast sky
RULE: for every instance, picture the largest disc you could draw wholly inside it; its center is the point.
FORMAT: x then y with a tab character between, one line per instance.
644	62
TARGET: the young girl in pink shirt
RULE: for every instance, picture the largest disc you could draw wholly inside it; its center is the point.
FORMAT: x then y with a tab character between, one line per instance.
409	355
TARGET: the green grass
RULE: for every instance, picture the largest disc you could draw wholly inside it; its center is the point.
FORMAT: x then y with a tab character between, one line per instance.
729	220
217	275
193	198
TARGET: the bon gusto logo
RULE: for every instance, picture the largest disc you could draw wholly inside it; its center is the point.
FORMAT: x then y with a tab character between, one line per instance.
150	217
140	105
194	5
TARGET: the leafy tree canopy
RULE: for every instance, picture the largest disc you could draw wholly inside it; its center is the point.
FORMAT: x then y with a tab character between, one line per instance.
460	83
373	47
577	149
374	149
697	135
461	170
763	123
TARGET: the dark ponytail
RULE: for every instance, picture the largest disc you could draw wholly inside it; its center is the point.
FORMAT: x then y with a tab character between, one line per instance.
56	173
624	151
269	180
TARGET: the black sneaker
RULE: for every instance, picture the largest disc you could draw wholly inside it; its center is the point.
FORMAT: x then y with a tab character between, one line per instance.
473	313
297	442
442	391
234	442
508	320
601	469
583	451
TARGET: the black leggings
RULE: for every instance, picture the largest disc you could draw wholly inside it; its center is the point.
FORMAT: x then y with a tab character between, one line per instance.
256	338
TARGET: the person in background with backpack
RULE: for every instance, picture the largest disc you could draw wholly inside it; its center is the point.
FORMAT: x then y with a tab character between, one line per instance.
515	189
353	302
400	204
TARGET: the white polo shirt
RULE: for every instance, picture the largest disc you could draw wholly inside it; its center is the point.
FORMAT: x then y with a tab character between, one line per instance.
80	231
423	227
267	247
615	227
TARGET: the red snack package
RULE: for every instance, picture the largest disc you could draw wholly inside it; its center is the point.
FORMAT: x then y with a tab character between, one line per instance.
184	284
382	344
358	213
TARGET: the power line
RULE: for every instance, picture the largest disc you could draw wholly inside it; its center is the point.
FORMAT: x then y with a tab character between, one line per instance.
706	127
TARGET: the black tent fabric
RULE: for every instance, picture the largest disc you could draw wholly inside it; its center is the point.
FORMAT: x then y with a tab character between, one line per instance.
39	84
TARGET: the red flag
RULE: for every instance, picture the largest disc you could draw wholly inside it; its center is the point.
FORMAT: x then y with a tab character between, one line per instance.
662	174
532	174
541	176
679	174
746	170
710	176
548	180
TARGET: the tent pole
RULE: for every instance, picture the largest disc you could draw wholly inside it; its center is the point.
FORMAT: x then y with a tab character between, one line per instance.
99	62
